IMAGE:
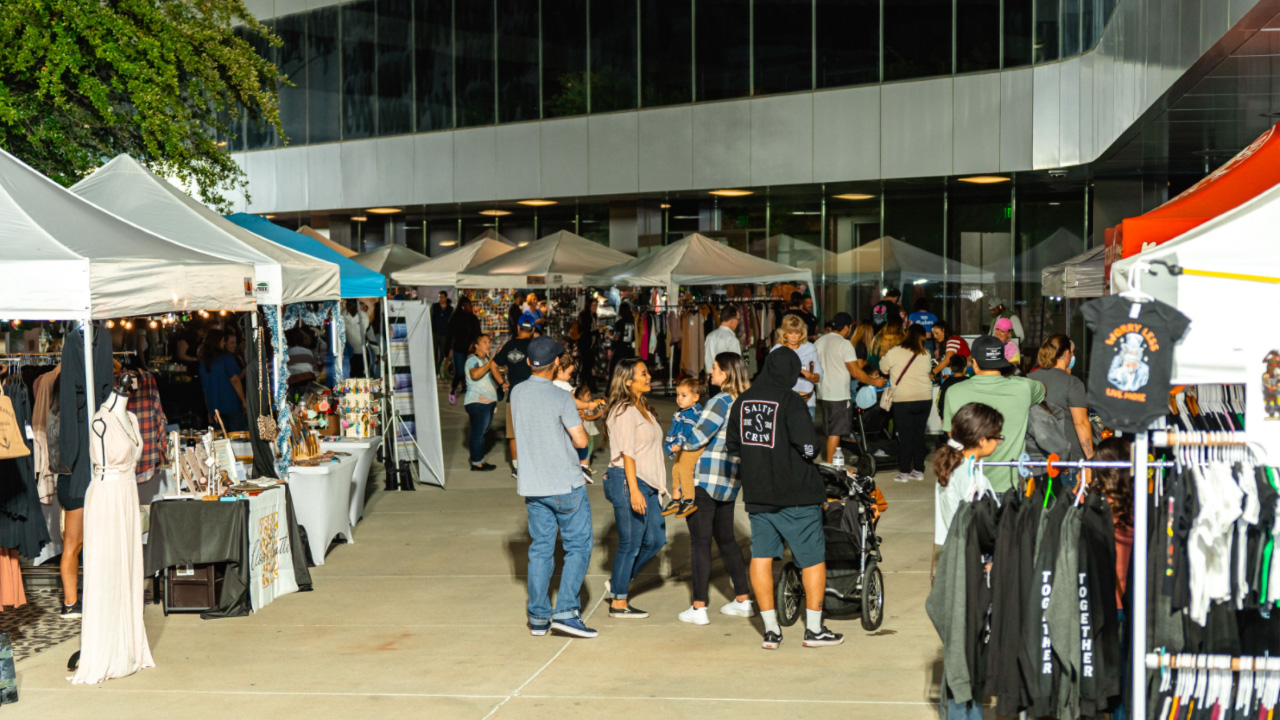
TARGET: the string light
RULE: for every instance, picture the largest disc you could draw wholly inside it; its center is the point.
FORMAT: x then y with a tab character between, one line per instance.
154	324
111	324
223	313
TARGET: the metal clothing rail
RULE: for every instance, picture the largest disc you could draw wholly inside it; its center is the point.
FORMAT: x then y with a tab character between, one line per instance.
1186	661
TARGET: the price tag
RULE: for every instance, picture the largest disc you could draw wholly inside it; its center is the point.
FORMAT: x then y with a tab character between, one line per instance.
30	433
1135	310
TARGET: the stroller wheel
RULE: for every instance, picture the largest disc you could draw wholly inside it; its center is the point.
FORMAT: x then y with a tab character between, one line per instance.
789	595
872	597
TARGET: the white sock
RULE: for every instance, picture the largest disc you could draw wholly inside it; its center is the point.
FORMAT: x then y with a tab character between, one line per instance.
813	620
515	465
770	618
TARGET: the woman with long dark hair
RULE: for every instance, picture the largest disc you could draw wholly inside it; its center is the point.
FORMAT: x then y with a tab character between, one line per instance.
635	482
221	378
946	346
907	367
715	494
975	434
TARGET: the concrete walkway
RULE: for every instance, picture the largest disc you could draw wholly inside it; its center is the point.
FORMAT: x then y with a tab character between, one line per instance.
424	617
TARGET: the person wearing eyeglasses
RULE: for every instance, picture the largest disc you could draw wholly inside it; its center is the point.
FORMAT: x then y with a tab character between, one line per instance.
1012	397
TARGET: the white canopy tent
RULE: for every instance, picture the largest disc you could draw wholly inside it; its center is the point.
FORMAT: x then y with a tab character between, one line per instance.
557	260
1059	247
283	276
63	258
1242	241
443	271
1079	277
896	260
390	259
792	251
697	260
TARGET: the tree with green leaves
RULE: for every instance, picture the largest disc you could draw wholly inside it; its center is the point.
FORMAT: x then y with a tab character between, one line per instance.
82	81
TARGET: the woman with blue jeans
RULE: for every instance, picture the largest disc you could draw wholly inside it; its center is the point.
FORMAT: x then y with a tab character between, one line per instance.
483	378
635	482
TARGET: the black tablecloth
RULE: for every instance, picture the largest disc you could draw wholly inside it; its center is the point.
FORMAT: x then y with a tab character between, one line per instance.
187	532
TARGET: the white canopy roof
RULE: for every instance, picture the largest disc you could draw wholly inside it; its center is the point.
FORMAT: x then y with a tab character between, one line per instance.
902	262
557	260
443	271
1059	247
283	276
1079	277
792	251
697	260
314	234
1229	317
63	258
390	259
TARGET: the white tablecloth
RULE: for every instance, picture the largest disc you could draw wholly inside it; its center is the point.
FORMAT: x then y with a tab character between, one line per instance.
364	450
322	502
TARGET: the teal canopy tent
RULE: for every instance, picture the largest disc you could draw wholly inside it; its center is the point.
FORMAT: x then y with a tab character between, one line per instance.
357	281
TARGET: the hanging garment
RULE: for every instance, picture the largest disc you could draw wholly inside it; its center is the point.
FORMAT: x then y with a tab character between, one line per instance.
22	525
1209	546
46	479
12	593
73	438
144	402
113	640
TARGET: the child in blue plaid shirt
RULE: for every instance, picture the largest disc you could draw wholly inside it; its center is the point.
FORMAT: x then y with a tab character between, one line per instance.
685	471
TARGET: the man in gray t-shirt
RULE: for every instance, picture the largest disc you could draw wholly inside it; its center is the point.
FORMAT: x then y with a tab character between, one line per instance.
555	494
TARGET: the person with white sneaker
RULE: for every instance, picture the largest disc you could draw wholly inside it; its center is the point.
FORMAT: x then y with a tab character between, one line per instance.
715	494
909	365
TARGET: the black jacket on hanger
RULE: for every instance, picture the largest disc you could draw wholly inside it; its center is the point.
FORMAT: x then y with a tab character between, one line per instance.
74	437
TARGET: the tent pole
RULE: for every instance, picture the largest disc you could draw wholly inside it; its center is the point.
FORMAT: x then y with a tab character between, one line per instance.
364	353
388	383
91	398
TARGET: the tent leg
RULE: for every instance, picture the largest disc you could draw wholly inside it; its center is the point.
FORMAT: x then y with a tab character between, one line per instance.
394	481
364	352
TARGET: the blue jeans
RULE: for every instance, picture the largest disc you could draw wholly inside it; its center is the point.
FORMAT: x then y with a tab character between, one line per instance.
640	537
459	372
481	417
570	514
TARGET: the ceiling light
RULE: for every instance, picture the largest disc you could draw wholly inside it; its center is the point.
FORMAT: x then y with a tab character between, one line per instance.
537	203
921	281
806	212
984	179
522	243
664	206
383	211
223	313
111	324
153	325
684	217
854	196
495	213
732	193
358	218
448	243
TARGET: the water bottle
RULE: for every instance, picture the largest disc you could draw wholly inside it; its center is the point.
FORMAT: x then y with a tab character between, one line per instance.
837	460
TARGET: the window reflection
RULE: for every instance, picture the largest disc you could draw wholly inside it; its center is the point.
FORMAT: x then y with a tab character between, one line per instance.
474	63
917	39
723	49
783	45
292	54
613	55
260	135
1047	42
666	62
1017	33
324	81
395	70
359	50
517	61
433	63
848	42
977	35
564	58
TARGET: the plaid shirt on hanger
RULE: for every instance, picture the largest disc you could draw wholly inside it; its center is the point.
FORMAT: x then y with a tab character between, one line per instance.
144	402
717	469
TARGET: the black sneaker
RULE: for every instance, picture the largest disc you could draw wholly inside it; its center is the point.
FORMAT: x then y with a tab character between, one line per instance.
483	467
687	508
821	639
771	640
627	613
539	627
673	506
72	612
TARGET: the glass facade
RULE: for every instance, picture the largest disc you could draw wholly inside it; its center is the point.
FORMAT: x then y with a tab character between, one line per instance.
371	68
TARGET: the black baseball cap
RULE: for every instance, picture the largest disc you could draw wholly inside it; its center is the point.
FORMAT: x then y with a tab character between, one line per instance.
543	351
988	353
841	320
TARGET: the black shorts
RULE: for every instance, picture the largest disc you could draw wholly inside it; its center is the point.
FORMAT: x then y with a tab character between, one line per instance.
837	417
65	497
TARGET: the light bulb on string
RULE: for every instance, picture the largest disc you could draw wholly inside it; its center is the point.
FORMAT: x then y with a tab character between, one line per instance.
153	325
111	324
16	323
223	313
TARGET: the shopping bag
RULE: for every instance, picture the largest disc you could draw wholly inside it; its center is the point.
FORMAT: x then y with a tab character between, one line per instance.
11	443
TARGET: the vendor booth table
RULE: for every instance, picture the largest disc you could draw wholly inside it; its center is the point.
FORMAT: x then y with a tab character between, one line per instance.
322	501
363	450
190	532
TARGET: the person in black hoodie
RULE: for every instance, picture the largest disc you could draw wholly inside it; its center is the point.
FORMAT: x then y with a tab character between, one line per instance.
771	431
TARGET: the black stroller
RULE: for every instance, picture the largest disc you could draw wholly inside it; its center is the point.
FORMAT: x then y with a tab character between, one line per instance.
854	580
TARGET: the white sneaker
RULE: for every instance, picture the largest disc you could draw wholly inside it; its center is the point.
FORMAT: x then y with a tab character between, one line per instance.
608	590
694	616
917	475
902	477
738	609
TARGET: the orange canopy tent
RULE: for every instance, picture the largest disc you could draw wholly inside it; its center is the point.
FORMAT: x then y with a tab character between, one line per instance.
1251	172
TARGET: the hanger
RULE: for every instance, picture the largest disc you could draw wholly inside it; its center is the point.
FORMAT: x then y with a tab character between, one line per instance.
1134	292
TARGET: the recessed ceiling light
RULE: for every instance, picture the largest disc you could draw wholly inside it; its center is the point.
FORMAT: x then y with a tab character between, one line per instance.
495	213
806	212
984	179
522	243
537	203
854	196
664	206
384	211
684	217
732	193
448	243
358	218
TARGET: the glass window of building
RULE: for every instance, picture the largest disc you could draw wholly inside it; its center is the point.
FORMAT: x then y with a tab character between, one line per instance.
433	63
1047	41
1017	33
564	58
259	135
395	67
613	55
917	216
359	52
977	35
980	251
783	45
292	54
666	52
1071	22
474	63
518	61
1090	24
324	79
848	42
917	39
1050	229
723	47
851	276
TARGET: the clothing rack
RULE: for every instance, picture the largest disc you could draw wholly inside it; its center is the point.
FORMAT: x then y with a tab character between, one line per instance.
1189	661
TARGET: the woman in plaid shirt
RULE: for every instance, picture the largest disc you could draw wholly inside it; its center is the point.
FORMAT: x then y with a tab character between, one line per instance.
716	494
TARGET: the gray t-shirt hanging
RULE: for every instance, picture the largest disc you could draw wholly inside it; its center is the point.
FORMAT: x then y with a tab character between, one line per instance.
1066	391
543	415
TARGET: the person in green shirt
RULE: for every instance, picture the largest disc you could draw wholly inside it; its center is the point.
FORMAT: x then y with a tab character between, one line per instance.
1013	397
